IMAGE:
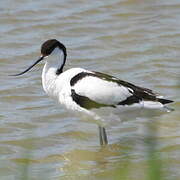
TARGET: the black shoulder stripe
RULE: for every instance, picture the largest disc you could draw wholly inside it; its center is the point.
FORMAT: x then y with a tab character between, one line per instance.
130	100
78	77
87	103
106	77
102	76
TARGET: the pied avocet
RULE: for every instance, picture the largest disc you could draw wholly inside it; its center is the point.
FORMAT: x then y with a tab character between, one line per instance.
82	90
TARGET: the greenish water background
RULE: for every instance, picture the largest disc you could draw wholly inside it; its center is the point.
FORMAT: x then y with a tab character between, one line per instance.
135	40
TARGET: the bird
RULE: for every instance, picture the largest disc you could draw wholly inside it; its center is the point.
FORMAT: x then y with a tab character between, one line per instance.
81	90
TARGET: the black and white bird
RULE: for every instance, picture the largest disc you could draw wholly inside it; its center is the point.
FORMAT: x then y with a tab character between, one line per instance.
88	91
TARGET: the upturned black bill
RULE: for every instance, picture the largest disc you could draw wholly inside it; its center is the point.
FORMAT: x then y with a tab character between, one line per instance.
40	59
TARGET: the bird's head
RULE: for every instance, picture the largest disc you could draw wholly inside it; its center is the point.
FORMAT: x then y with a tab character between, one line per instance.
48	48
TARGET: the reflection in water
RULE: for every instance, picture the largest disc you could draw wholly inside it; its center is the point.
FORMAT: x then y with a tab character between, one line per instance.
137	41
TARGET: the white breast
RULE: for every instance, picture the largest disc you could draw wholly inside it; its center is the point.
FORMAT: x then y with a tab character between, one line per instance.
58	86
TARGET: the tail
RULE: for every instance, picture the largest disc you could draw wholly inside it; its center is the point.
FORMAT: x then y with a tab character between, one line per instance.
164	101
158	104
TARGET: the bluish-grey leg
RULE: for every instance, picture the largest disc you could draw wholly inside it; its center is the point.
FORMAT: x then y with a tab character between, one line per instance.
102	136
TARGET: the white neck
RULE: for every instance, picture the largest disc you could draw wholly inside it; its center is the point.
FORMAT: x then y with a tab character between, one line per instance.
55	59
53	62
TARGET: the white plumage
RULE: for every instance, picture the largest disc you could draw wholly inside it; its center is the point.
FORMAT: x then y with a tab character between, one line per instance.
84	91
101	91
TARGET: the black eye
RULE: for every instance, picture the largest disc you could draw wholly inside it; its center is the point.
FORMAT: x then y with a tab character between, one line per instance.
49	46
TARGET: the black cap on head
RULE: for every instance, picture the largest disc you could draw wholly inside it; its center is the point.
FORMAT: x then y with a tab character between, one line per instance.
46	49
48	46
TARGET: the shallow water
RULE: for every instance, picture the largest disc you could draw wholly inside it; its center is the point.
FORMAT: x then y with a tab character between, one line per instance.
135	40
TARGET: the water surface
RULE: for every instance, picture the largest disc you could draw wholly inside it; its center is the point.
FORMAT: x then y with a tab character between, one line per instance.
135	40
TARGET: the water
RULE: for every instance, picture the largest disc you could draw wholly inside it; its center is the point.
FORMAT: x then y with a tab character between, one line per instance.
135	40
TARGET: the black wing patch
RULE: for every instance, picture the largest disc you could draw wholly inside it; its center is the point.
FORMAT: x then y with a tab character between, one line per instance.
138	93
164	101
78	77
102	76
142	93
129	101
87	103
